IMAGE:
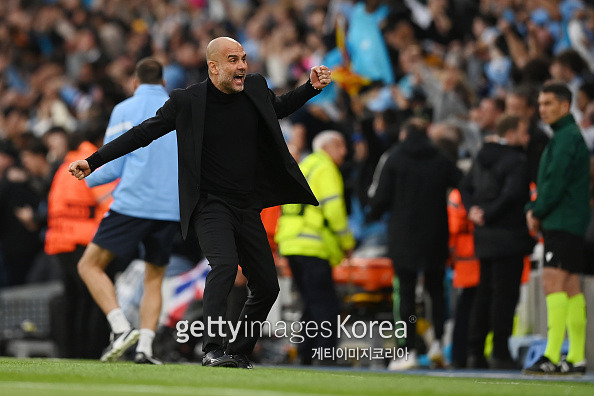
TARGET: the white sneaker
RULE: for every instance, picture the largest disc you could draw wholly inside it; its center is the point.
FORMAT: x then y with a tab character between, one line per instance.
435	353
567	368
404	363
119	344
143	358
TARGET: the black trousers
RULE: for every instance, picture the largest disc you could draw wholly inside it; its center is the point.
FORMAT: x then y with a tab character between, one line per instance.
230	236
86	331
495	305
434	278
313	278
461	326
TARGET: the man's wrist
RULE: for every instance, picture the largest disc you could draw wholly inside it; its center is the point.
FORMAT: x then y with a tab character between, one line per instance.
94	161
311	84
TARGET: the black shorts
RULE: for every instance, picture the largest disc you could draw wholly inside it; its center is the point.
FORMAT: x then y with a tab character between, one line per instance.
563	250
122	235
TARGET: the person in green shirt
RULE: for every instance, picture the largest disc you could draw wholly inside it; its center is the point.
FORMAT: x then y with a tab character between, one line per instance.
562	212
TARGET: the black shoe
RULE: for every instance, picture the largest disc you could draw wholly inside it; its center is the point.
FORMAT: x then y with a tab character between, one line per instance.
218	358
567	368
543	367
242	361
143	358
477	363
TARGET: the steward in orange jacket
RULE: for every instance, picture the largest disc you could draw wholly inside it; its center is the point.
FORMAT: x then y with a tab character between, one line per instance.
466	265
74	210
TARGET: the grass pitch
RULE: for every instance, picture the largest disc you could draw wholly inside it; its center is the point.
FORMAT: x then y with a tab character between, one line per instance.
83	377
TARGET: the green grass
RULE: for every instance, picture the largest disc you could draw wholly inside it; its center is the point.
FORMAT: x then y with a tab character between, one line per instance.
87	378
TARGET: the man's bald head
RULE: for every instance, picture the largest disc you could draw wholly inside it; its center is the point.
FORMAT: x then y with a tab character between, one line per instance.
217	46
227	64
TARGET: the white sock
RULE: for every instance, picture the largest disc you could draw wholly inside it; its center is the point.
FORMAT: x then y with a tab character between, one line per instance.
145	342
117	320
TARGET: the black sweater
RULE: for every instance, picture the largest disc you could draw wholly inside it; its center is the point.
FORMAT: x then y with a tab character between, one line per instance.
230	147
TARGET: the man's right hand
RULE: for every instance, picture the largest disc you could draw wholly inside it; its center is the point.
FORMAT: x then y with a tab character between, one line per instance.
532	222
79	169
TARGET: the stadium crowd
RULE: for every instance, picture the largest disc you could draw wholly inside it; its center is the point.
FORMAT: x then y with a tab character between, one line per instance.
456	66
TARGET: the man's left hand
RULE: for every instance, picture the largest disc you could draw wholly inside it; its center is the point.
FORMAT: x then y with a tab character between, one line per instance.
320	76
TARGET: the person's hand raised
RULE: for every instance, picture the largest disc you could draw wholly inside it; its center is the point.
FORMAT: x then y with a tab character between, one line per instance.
79	169
320	76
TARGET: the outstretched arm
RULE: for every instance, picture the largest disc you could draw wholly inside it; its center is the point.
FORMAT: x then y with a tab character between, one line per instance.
139	136
319	77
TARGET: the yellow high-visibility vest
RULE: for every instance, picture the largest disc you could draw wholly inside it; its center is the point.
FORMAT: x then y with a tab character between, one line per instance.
317	231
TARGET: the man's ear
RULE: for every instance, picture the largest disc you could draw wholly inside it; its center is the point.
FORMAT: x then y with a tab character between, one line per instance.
566	106
213	67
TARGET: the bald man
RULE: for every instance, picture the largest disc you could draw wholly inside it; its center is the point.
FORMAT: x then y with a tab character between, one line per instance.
233	162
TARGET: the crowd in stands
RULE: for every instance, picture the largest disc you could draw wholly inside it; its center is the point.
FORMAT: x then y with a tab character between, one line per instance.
459	65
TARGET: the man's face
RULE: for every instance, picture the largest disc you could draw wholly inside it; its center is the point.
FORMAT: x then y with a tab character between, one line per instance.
516	105
336	149
231	66
488	114
550	108
519	136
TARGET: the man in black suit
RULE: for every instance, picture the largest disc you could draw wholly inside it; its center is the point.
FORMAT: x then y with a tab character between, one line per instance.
233	162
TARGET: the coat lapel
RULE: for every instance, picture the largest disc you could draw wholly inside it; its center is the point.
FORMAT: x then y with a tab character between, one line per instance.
198	110
269	117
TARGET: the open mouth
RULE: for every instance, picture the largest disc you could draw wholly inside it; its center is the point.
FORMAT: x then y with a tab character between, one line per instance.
238	78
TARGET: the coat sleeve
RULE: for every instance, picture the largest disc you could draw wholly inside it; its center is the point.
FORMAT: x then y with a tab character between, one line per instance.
291	101
139	136
381	197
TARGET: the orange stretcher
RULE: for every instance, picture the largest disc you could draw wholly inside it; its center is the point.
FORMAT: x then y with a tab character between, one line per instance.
370	274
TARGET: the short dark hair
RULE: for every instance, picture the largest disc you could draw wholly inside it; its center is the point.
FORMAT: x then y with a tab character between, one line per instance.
560	90
505	123
415	126
149	71
527	92
588	89
34	145
572	59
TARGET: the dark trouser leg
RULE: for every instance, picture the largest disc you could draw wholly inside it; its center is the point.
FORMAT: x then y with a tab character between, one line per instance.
408	282
214	223
87	327
313	277
434	278
461	324
507	274
480	316
258	266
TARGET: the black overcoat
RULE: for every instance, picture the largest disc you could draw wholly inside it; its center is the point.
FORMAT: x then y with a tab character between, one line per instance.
413	188
278	178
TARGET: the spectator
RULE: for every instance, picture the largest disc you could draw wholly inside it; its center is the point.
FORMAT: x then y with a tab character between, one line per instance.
466	274
74	213
568	67
315	238
412	188
520	102
495	191
145	210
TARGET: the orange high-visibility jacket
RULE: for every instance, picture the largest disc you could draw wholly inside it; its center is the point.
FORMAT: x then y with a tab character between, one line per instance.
466	265
74	209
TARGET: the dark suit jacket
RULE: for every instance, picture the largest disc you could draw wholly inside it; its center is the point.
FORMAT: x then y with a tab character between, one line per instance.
278	178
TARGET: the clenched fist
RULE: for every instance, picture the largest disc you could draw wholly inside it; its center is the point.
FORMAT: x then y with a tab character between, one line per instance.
79	169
